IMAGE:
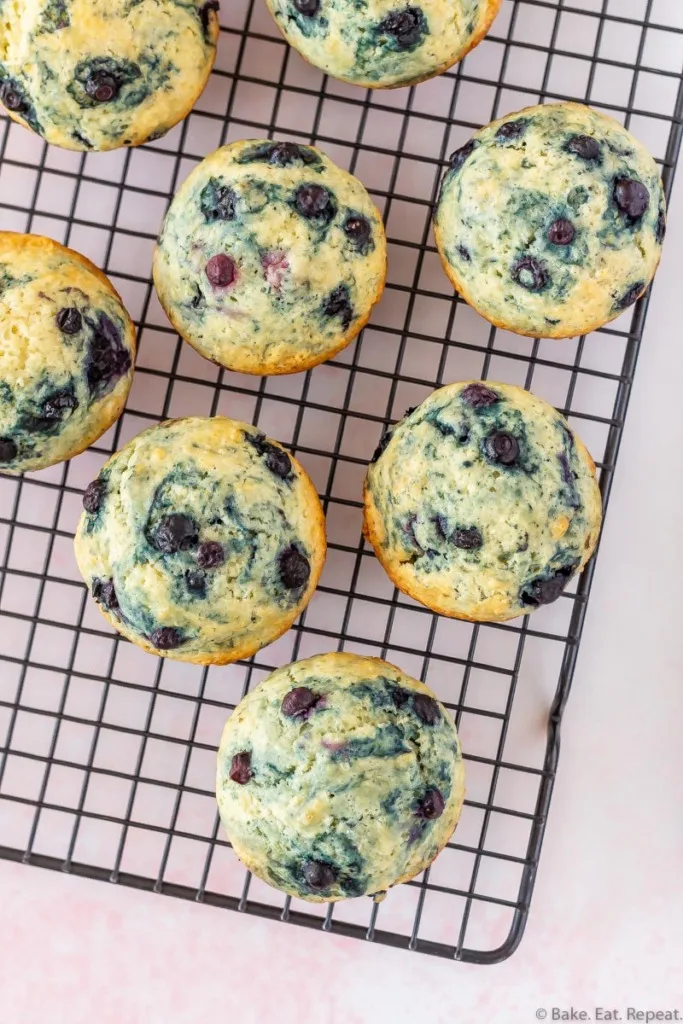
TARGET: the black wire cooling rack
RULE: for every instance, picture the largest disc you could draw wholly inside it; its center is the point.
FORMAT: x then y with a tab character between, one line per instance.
107	754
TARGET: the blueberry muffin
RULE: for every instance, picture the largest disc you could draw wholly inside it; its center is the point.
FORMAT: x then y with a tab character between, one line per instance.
66	353
339	776
98	75
383	44
551	221
271	258
482	504
201	540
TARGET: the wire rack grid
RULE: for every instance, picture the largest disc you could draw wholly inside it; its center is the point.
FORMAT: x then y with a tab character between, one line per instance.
107	754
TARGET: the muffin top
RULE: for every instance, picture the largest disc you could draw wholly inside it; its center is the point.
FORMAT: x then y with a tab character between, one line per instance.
271	257
482	504
339	776
550	222
382	43
97	76
66	352
201	540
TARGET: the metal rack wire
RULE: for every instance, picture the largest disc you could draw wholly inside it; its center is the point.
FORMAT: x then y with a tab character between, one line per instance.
107	754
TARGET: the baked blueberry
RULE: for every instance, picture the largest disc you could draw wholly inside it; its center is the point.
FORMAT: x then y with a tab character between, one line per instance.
513	129
561	232
93	496
299	702
276	458
546	589
520	495
469	539
530	274
556	233
632	197
102	87
8	449
108	359
631	296
217	201
196	582
69	320
240	768
358	231
220	271
426	709
205	10
318	876
405	28
307	7
584	146
479	396
203	539
210	555
458	158
330	808
294	568
315	202
431	805
166	638
104	593
176	532
338	304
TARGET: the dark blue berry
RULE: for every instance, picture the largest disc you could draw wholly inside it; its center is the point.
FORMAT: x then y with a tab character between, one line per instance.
217	202
561	232
585	147
102	86
502	448
300	702
318	875
513	129
479	396
457	159
314	202
426	709
240	768
276	459
69	320
530	274
210	555
104	593
94	496
631	197
546	589
338	303
167	638
175	533
294	568
405	27
431	805
631	296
